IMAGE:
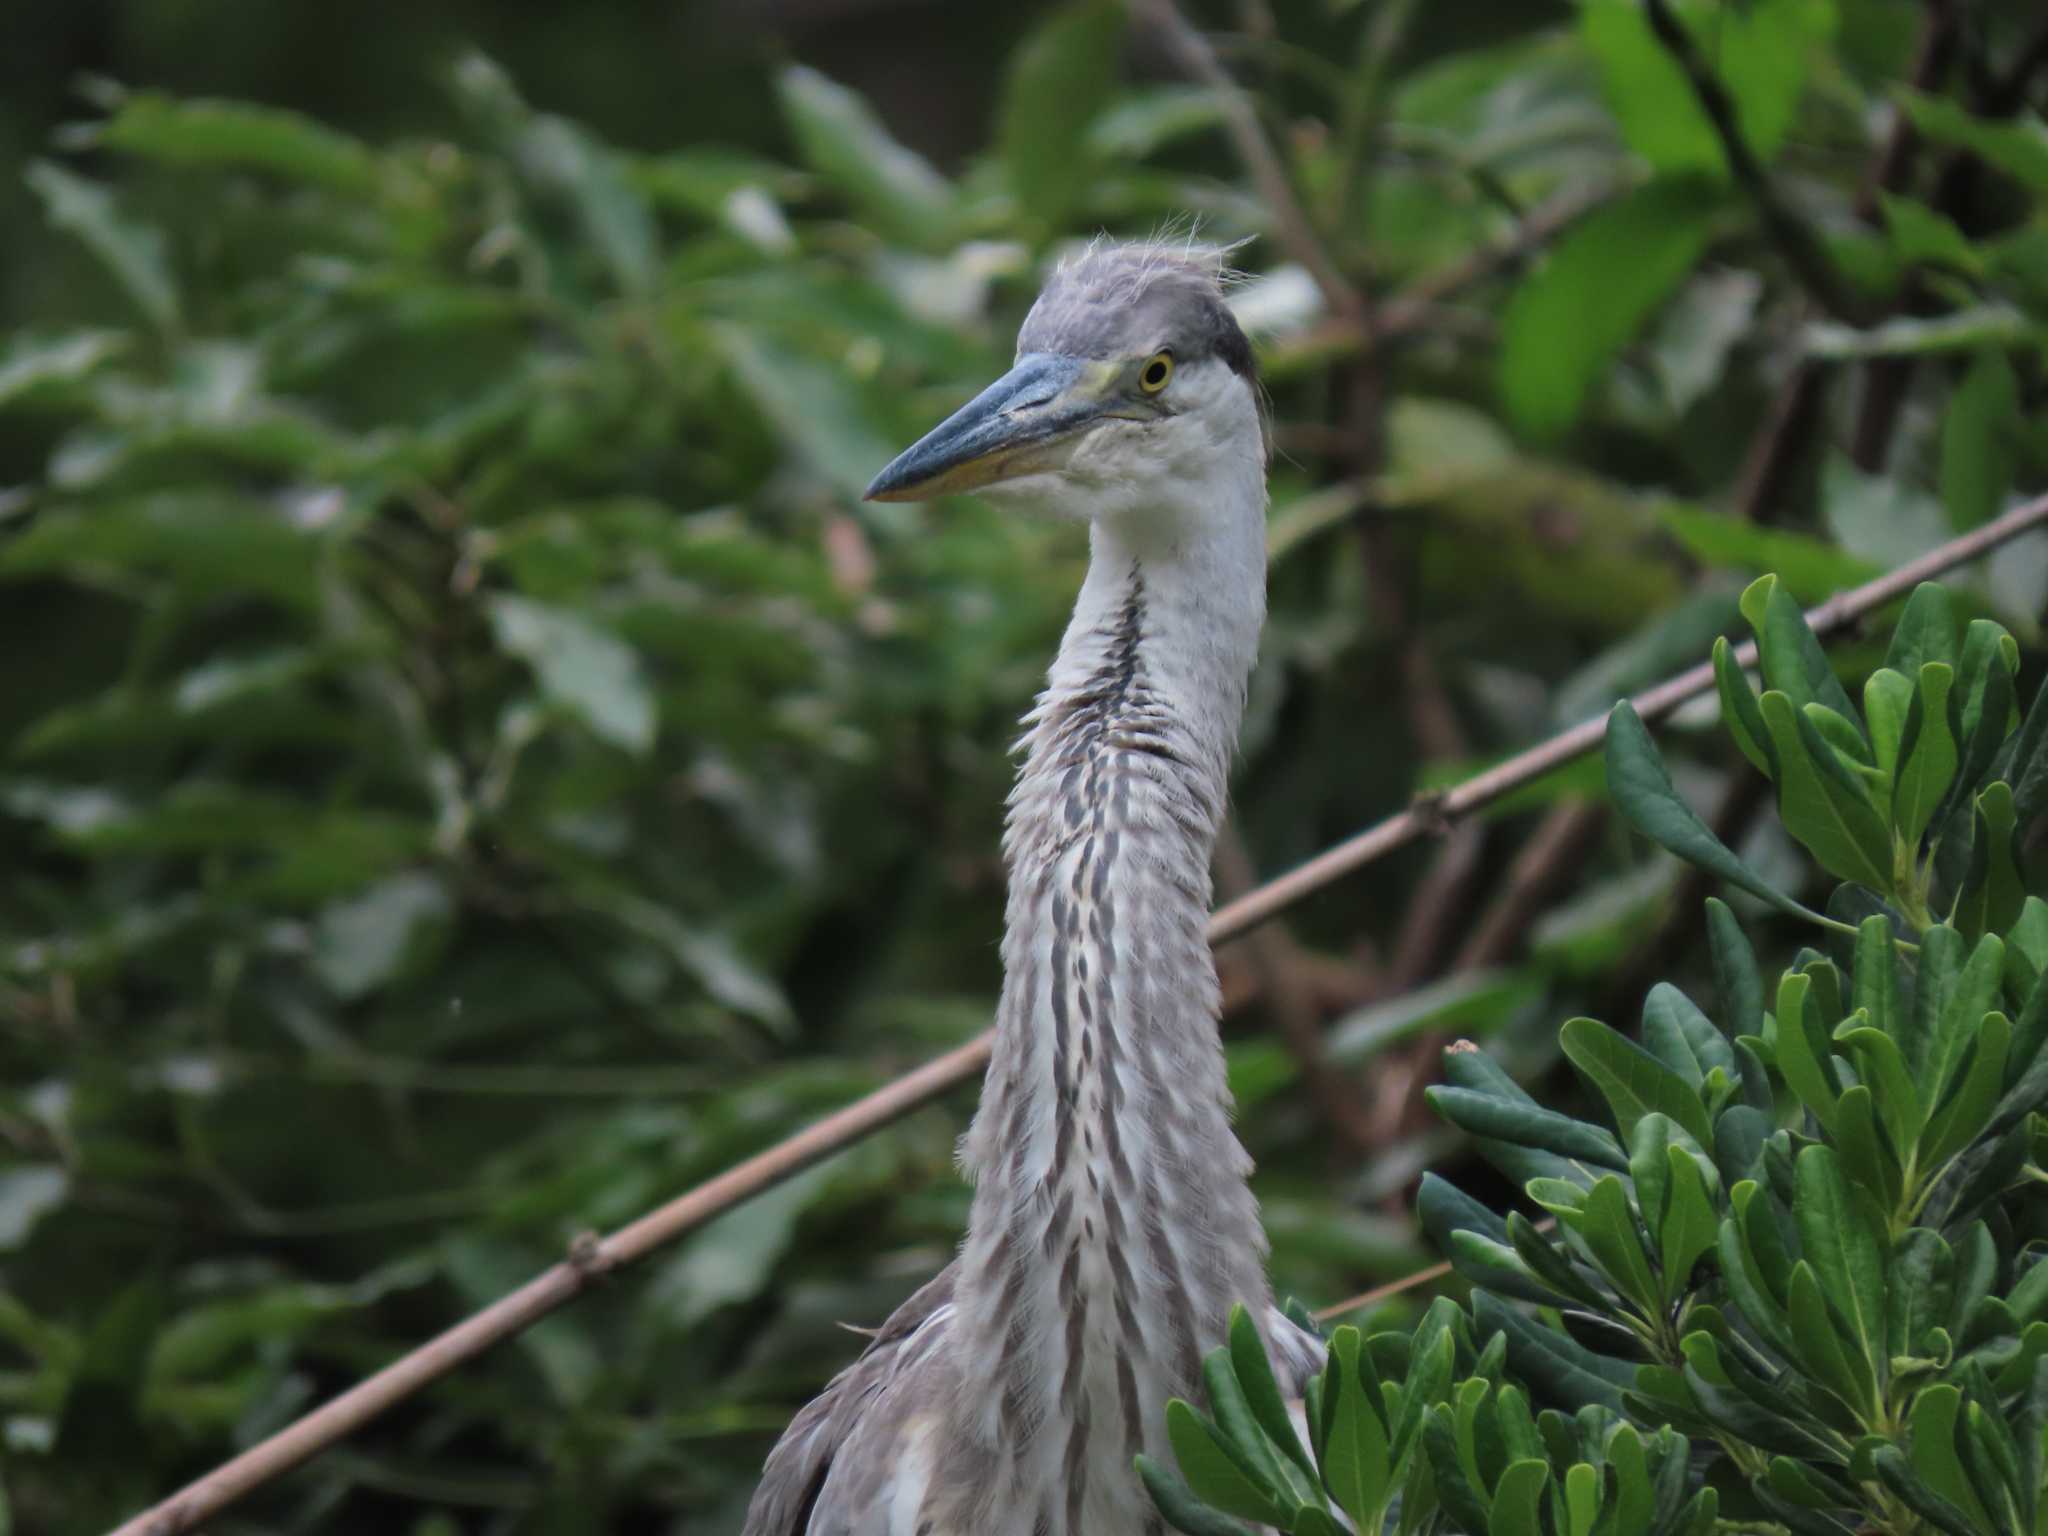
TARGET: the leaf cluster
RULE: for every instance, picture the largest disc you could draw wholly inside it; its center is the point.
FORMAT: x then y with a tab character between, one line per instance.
1803	1233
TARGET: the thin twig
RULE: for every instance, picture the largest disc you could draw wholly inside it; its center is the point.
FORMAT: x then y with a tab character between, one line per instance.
1802	250
1411	307
1782	443
1296	234
1393	1288
597	1257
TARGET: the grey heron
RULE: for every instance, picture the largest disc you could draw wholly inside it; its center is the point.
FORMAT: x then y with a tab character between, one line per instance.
1112	1224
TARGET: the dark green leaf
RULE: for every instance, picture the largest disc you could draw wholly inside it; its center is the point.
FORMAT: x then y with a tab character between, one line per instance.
1254	1375
1528	1124
1633	1082
1822	804
1594	290
1846	1249
1180	1507
1739	711
1643	790
206	133
132	252
1979	441
1356	1463
1213	1470
1516	1500
1059	82
1926	632
2018	147
845	142
1760	57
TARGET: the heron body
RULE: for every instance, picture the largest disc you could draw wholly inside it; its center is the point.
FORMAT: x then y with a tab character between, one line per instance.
1112	1226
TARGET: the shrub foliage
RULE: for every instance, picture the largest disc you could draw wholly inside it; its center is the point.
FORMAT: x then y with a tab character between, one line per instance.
1795	1271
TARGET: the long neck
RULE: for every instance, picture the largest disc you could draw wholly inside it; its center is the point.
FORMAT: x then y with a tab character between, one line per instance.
1112	1223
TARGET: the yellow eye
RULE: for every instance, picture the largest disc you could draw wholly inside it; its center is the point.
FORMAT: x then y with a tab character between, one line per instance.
1156	373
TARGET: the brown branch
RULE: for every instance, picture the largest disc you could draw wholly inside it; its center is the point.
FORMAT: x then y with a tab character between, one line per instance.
1555	850
1798	244
1547	859
1776	452
554	1287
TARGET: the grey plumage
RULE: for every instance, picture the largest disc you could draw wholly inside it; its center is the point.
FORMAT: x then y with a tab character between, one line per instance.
1112	1226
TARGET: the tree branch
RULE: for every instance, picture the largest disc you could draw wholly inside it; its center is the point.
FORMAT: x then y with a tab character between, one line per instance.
595	1257
1191	51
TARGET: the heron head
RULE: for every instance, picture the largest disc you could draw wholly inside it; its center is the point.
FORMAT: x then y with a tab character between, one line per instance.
1132	381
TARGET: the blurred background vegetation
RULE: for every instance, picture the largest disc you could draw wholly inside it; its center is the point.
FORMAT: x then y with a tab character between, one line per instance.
472	768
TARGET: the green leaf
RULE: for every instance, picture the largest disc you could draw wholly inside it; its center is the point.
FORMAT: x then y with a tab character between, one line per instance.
842	139
1887	696
1846	1251
1927	755
1994	895
1516	1500
1962	993
133	253
1934	1416
1926	632
1569	318
1817	1346
1180	1507
1633	1499
1356	1463
1789	653
361	943
2027	769
1608	1227
1801	1061
1822	805
1213	1470
1878	1061
1531	1125
1682	1037
1690	1225
1968	1111
1643	790
1979	710
1979	441
583	671
1919	1290
1633	1082
1745	1282
1739	711
1241	1434
1254	1374
2017	146
1561	1369
1454	1489
1922	236
1737	983
196	132
1760	54
1865	1156
1060	80
1810	568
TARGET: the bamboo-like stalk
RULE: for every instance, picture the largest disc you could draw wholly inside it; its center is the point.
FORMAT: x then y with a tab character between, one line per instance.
592	1258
